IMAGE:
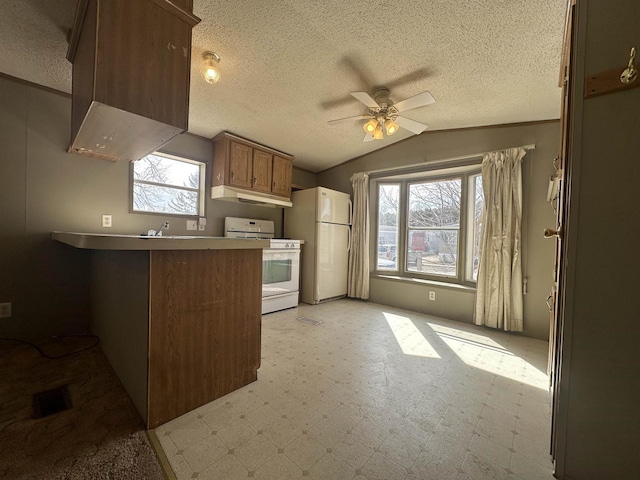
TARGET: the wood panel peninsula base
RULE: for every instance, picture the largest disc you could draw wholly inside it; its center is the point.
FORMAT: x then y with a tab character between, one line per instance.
180	327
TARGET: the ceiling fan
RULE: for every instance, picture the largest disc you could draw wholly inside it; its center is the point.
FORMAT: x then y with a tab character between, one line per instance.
383	113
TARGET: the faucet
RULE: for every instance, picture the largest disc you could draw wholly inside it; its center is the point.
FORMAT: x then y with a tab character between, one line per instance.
158	233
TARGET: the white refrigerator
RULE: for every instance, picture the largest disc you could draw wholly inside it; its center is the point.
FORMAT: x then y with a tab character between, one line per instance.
322	218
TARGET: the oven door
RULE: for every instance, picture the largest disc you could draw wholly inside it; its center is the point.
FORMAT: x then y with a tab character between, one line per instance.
280	271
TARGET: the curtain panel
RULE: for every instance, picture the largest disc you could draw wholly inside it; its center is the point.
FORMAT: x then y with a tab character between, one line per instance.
358	277
499	289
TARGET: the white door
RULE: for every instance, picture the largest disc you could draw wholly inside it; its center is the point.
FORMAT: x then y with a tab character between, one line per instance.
331	261
333	207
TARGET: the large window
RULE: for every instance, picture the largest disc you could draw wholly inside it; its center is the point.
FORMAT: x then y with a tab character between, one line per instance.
388	216
433	227
169	185
430	224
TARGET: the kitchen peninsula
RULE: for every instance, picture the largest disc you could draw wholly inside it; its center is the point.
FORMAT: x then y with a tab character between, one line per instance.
178	317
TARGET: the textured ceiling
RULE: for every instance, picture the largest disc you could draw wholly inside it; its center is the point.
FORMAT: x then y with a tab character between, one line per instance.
288	66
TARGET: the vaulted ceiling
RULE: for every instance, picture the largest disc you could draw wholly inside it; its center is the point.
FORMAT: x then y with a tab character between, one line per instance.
288	66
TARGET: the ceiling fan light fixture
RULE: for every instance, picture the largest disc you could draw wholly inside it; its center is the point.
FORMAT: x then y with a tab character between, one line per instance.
391	127
210	67
370	126
377	134
382	113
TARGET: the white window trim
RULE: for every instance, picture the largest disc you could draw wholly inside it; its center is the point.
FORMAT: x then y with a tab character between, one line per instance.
200	189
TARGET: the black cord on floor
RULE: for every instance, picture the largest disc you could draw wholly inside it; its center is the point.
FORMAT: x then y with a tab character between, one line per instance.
45	355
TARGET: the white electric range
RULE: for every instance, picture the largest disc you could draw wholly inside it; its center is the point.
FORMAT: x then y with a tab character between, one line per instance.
280	262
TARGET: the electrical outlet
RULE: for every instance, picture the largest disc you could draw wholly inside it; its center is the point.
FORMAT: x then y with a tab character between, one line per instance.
5	310
432	295
192	224
202	222
106	221
201	228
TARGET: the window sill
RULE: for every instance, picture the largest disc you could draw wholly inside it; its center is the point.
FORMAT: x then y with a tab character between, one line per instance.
420	281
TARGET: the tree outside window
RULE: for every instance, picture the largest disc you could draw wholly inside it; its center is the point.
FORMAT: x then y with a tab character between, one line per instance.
163	184
388	212
434	226
430	227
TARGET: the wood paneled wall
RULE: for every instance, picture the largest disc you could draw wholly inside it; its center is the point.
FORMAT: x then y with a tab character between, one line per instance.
205	327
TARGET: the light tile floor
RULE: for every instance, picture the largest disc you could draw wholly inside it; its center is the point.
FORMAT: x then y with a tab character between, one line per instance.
375	392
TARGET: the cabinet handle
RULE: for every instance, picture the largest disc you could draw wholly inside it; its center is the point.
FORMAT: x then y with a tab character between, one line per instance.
255	179
233	175
274	185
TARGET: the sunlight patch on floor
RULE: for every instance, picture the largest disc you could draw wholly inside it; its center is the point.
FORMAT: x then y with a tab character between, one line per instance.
471	337
481	352
410	339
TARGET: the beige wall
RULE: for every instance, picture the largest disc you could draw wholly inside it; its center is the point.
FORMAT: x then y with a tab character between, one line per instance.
600	386
303	178
457	304
43	188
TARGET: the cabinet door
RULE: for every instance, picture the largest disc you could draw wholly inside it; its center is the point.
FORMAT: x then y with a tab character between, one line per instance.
153	47
262	170
282	170
169	100
240	165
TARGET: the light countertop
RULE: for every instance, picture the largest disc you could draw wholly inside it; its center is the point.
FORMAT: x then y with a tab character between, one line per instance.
102	241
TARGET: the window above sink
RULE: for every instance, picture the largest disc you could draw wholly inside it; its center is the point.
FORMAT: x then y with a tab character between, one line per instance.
166	184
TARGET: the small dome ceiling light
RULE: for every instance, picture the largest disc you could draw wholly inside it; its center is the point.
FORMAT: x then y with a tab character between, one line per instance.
210	67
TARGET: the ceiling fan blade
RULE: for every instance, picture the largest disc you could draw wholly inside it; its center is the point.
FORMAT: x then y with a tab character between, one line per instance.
357	117
365	98
368	138
419	100
411	125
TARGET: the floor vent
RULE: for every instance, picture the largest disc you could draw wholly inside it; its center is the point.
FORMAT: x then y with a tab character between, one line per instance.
310	321
51	401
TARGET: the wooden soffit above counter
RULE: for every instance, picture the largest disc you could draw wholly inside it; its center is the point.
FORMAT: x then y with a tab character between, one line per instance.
131	76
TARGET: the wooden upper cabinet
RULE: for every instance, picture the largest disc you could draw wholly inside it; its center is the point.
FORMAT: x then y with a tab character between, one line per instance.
240	165
244	164
282	173
262	170
131	74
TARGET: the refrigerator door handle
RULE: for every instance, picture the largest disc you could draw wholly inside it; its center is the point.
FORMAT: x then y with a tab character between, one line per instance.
349	244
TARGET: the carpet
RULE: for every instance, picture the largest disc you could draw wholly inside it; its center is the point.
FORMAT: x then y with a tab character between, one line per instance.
100	437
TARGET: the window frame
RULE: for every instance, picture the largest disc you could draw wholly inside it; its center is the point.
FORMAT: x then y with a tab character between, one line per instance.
465	246
469	241
201	190
399	226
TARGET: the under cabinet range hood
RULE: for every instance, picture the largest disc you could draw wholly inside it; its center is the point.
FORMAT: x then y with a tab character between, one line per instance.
231	194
